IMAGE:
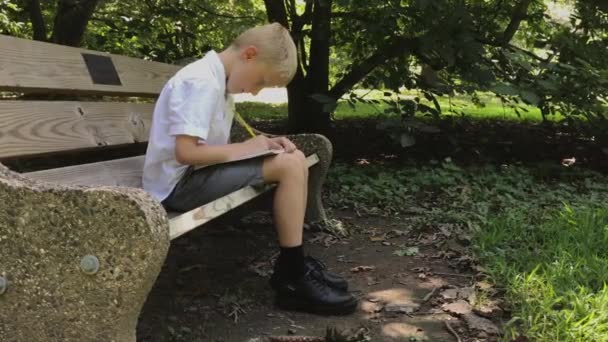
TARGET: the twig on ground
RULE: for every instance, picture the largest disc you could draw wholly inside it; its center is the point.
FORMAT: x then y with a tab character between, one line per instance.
430	295
452	331
454	274
296	339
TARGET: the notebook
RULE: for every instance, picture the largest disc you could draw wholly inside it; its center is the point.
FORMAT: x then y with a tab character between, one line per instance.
249	156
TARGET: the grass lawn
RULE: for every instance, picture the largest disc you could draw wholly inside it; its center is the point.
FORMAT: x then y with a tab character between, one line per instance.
493	109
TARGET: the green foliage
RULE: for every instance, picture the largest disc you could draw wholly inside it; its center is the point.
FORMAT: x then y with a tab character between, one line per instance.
442	48
166	31
169	31
12	22
464	48
376	188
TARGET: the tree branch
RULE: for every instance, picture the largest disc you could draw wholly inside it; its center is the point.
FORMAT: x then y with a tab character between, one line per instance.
301	20
33	7
354	15
276	12
222	15
394	48
519	14
500	44
292	8
303	56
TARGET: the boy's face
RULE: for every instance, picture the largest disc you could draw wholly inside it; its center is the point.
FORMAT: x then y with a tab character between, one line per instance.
249	75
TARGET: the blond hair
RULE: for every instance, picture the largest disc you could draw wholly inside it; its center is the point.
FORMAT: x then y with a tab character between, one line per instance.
275	48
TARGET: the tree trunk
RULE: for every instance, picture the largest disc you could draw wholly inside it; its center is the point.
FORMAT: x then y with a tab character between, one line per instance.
305	114
71	21
276	12
312	117
38	27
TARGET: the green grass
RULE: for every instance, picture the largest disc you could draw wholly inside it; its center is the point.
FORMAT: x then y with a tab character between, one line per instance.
492	109
540	232
555	269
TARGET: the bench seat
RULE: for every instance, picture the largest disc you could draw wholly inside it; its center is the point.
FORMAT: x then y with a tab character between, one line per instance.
127	172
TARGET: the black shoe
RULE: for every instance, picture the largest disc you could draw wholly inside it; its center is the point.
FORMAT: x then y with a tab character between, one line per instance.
331	279
310	294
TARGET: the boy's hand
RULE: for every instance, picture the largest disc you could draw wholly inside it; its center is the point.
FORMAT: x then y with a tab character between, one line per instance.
285	143
263	143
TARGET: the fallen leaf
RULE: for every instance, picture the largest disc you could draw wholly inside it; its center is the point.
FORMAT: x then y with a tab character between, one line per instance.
395	233
488	309
406	251
467	293
376	238
567	162
484	285
446	229
459	307
370	307
481	324
372	281
449	294
190	268
401	308
358	269
479	269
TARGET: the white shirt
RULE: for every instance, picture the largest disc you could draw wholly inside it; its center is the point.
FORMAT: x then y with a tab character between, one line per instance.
193	102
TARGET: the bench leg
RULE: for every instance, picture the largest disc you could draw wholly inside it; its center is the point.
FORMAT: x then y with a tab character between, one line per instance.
309	144
76	264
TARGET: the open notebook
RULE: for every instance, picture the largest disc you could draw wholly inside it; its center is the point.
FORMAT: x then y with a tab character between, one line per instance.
249	156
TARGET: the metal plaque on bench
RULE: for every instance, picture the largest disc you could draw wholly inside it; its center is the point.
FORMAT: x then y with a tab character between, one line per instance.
102	70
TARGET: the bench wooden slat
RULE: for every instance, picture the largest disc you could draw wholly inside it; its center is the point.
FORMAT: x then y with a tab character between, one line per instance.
127	172
35	127
117	172
32	66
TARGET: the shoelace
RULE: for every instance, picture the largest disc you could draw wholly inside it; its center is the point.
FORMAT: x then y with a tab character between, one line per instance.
317	281
317	262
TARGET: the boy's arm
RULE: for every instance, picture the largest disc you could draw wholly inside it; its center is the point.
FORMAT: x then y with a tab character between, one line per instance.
188	150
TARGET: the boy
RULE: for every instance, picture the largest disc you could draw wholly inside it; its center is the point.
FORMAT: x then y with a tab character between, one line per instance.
191	127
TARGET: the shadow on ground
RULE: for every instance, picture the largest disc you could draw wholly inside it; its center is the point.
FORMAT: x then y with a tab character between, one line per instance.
214	284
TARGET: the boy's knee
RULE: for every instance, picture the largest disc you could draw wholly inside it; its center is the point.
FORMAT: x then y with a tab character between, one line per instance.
299	155
294	161
288	165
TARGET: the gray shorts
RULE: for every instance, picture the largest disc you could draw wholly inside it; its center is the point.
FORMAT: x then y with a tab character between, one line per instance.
199	187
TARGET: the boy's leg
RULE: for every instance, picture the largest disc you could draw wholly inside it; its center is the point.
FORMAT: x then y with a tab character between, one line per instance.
297	285
300	283
290	172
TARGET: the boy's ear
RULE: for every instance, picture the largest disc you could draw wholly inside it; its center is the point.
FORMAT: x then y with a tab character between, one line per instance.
250	52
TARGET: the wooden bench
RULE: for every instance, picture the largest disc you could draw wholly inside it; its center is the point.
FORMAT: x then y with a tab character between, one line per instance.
81	246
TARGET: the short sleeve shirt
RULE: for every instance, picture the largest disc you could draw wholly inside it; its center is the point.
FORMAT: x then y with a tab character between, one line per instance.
193	102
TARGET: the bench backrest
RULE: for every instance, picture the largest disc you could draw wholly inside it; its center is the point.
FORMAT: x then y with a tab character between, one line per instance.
42	127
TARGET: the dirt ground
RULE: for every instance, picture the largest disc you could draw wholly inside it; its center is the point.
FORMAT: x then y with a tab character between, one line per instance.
214	286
